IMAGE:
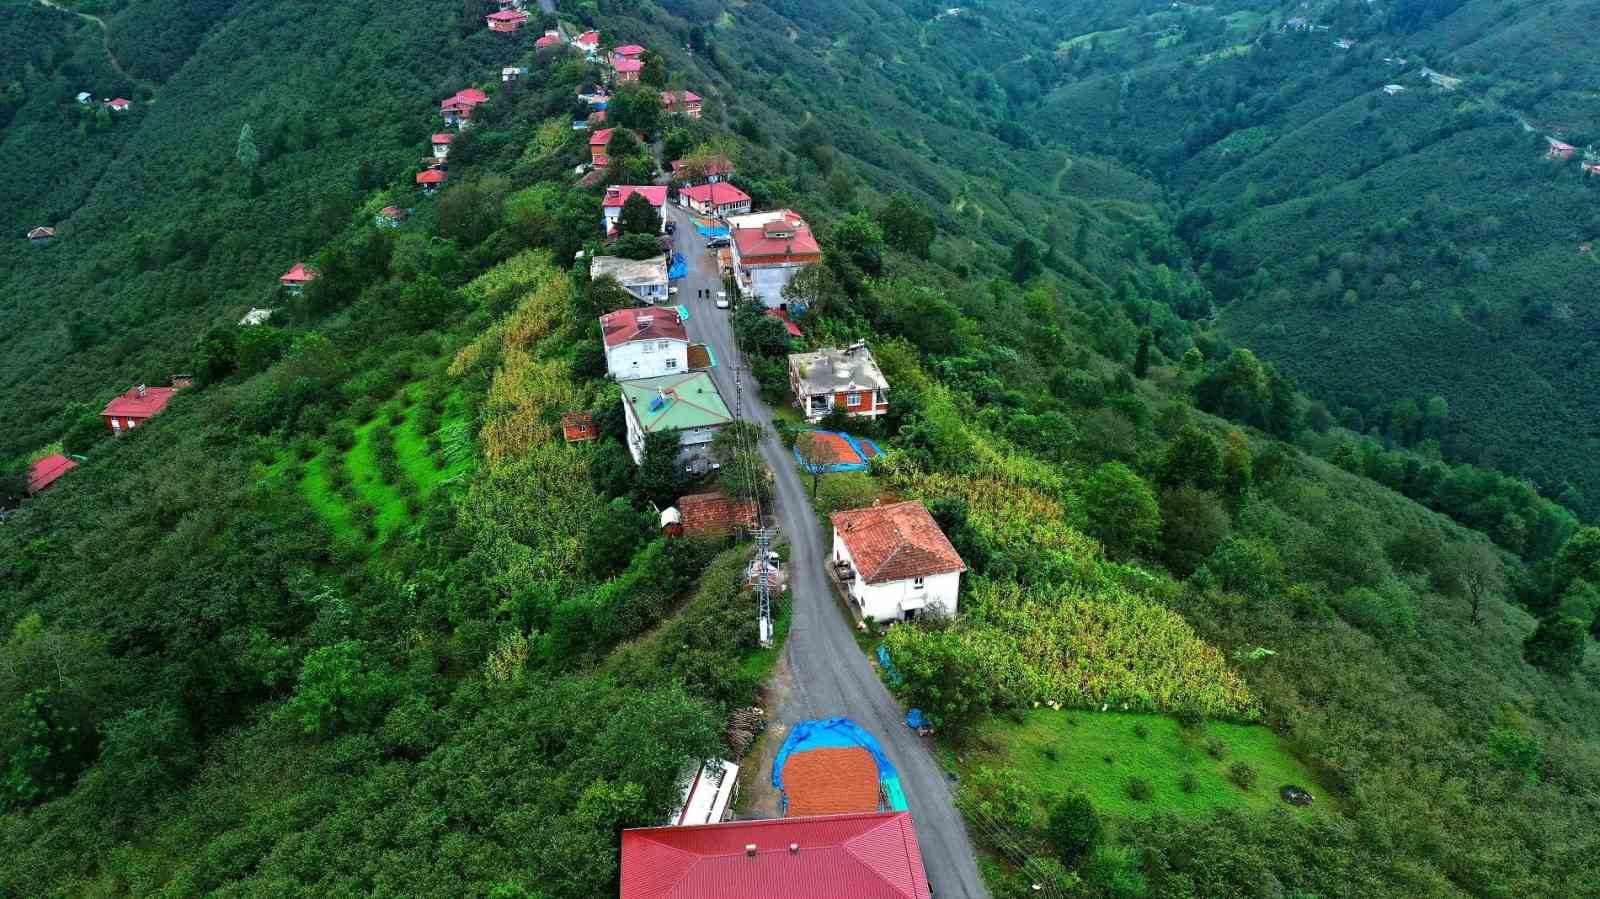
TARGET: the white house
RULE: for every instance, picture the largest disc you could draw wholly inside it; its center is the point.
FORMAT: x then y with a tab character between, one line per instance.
688	405
847	378
644	343
718	199
617	195
646	279
895	563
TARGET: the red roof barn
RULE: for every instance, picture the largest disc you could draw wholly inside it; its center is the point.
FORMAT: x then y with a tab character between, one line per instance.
134	408
712	514
44	472
577	427
865	856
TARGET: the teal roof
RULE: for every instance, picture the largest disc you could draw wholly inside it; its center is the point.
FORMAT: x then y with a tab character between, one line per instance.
676	402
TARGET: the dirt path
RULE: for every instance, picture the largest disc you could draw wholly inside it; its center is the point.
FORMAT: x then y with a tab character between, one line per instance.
105	41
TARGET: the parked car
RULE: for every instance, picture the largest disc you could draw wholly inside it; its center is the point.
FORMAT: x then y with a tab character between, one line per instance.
671	227
717	243
722	299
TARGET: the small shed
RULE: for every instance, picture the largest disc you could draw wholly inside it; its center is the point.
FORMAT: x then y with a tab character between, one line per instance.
578	427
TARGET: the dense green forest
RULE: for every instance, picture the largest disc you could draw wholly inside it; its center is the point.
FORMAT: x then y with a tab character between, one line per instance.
350	618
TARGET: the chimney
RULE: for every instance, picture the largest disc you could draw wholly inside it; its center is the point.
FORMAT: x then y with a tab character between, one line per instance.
750	850
140	391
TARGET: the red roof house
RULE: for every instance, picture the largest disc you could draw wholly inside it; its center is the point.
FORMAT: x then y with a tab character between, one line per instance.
1592	168
548	39
431	179
134	408
457	108
44	472
782	315
441	144
715	515
119	104
862	856
295	279
507	21
1560	149
42	234
628	51
785	239
391	217
719	198
626	69
598	141
577	427
681	102
617	195
708	168
627	325
588	42
895	562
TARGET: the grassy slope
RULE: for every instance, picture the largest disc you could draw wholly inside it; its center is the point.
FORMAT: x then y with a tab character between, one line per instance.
1057	752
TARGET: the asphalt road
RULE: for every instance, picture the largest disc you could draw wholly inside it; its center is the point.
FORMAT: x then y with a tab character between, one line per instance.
831	674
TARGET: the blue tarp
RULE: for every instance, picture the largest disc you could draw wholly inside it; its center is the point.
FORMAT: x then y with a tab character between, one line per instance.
839	733
859	445
678	267
711	230
887	665
914	719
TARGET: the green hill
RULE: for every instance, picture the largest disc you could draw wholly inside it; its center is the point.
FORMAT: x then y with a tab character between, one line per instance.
350	617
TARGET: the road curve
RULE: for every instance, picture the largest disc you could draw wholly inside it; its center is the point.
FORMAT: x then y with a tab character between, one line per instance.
831	675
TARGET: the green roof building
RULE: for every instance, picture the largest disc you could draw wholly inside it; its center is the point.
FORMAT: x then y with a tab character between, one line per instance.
687	403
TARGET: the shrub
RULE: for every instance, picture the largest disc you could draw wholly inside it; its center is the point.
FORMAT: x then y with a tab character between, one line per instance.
342	434
1215	748
363	409
1243	776
1140	730
1188	718
1189	783
1138	789
397	417
1073	828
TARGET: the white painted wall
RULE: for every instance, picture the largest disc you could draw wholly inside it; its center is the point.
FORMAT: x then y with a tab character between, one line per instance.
695	442
887	601
647	359
768	281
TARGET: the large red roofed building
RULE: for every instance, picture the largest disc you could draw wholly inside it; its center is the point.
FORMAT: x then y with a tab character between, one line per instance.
863	856
627	70
644	343
1560	149
46	471
457	109
628	51
548	39
681	103
431	180
441	144
507	21
895	562
769	248
719	199
588	42
134	408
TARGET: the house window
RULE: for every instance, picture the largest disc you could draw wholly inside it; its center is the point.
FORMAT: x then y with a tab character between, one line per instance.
852	399
649	347
916	583
661	345
672	363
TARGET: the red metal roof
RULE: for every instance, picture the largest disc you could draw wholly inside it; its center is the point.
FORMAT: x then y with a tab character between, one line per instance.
431	176
601	138
132	405
626	325
672	98
792	237
717	193
119	103
618	194
508	15
626	65
895	542
44	472
548	40
588	37
713	513
578	426
788	323
299	274
628	50
444	138
466	97
866	856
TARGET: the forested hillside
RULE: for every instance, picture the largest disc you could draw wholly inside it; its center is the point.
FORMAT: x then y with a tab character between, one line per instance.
350	617
1412	256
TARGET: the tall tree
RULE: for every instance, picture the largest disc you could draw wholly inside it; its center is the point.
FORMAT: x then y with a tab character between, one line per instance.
638	217
1025	263
1122	511
906	227
247	153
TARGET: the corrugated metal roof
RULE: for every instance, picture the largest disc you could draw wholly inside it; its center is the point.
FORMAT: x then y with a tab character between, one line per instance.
867	856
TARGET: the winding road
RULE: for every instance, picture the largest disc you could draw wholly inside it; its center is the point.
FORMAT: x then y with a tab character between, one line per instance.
105	39
830	675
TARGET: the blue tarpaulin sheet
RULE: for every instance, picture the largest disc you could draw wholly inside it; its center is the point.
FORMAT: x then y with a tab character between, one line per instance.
887	665
678	268
914	719
863	448
839	733
711	230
